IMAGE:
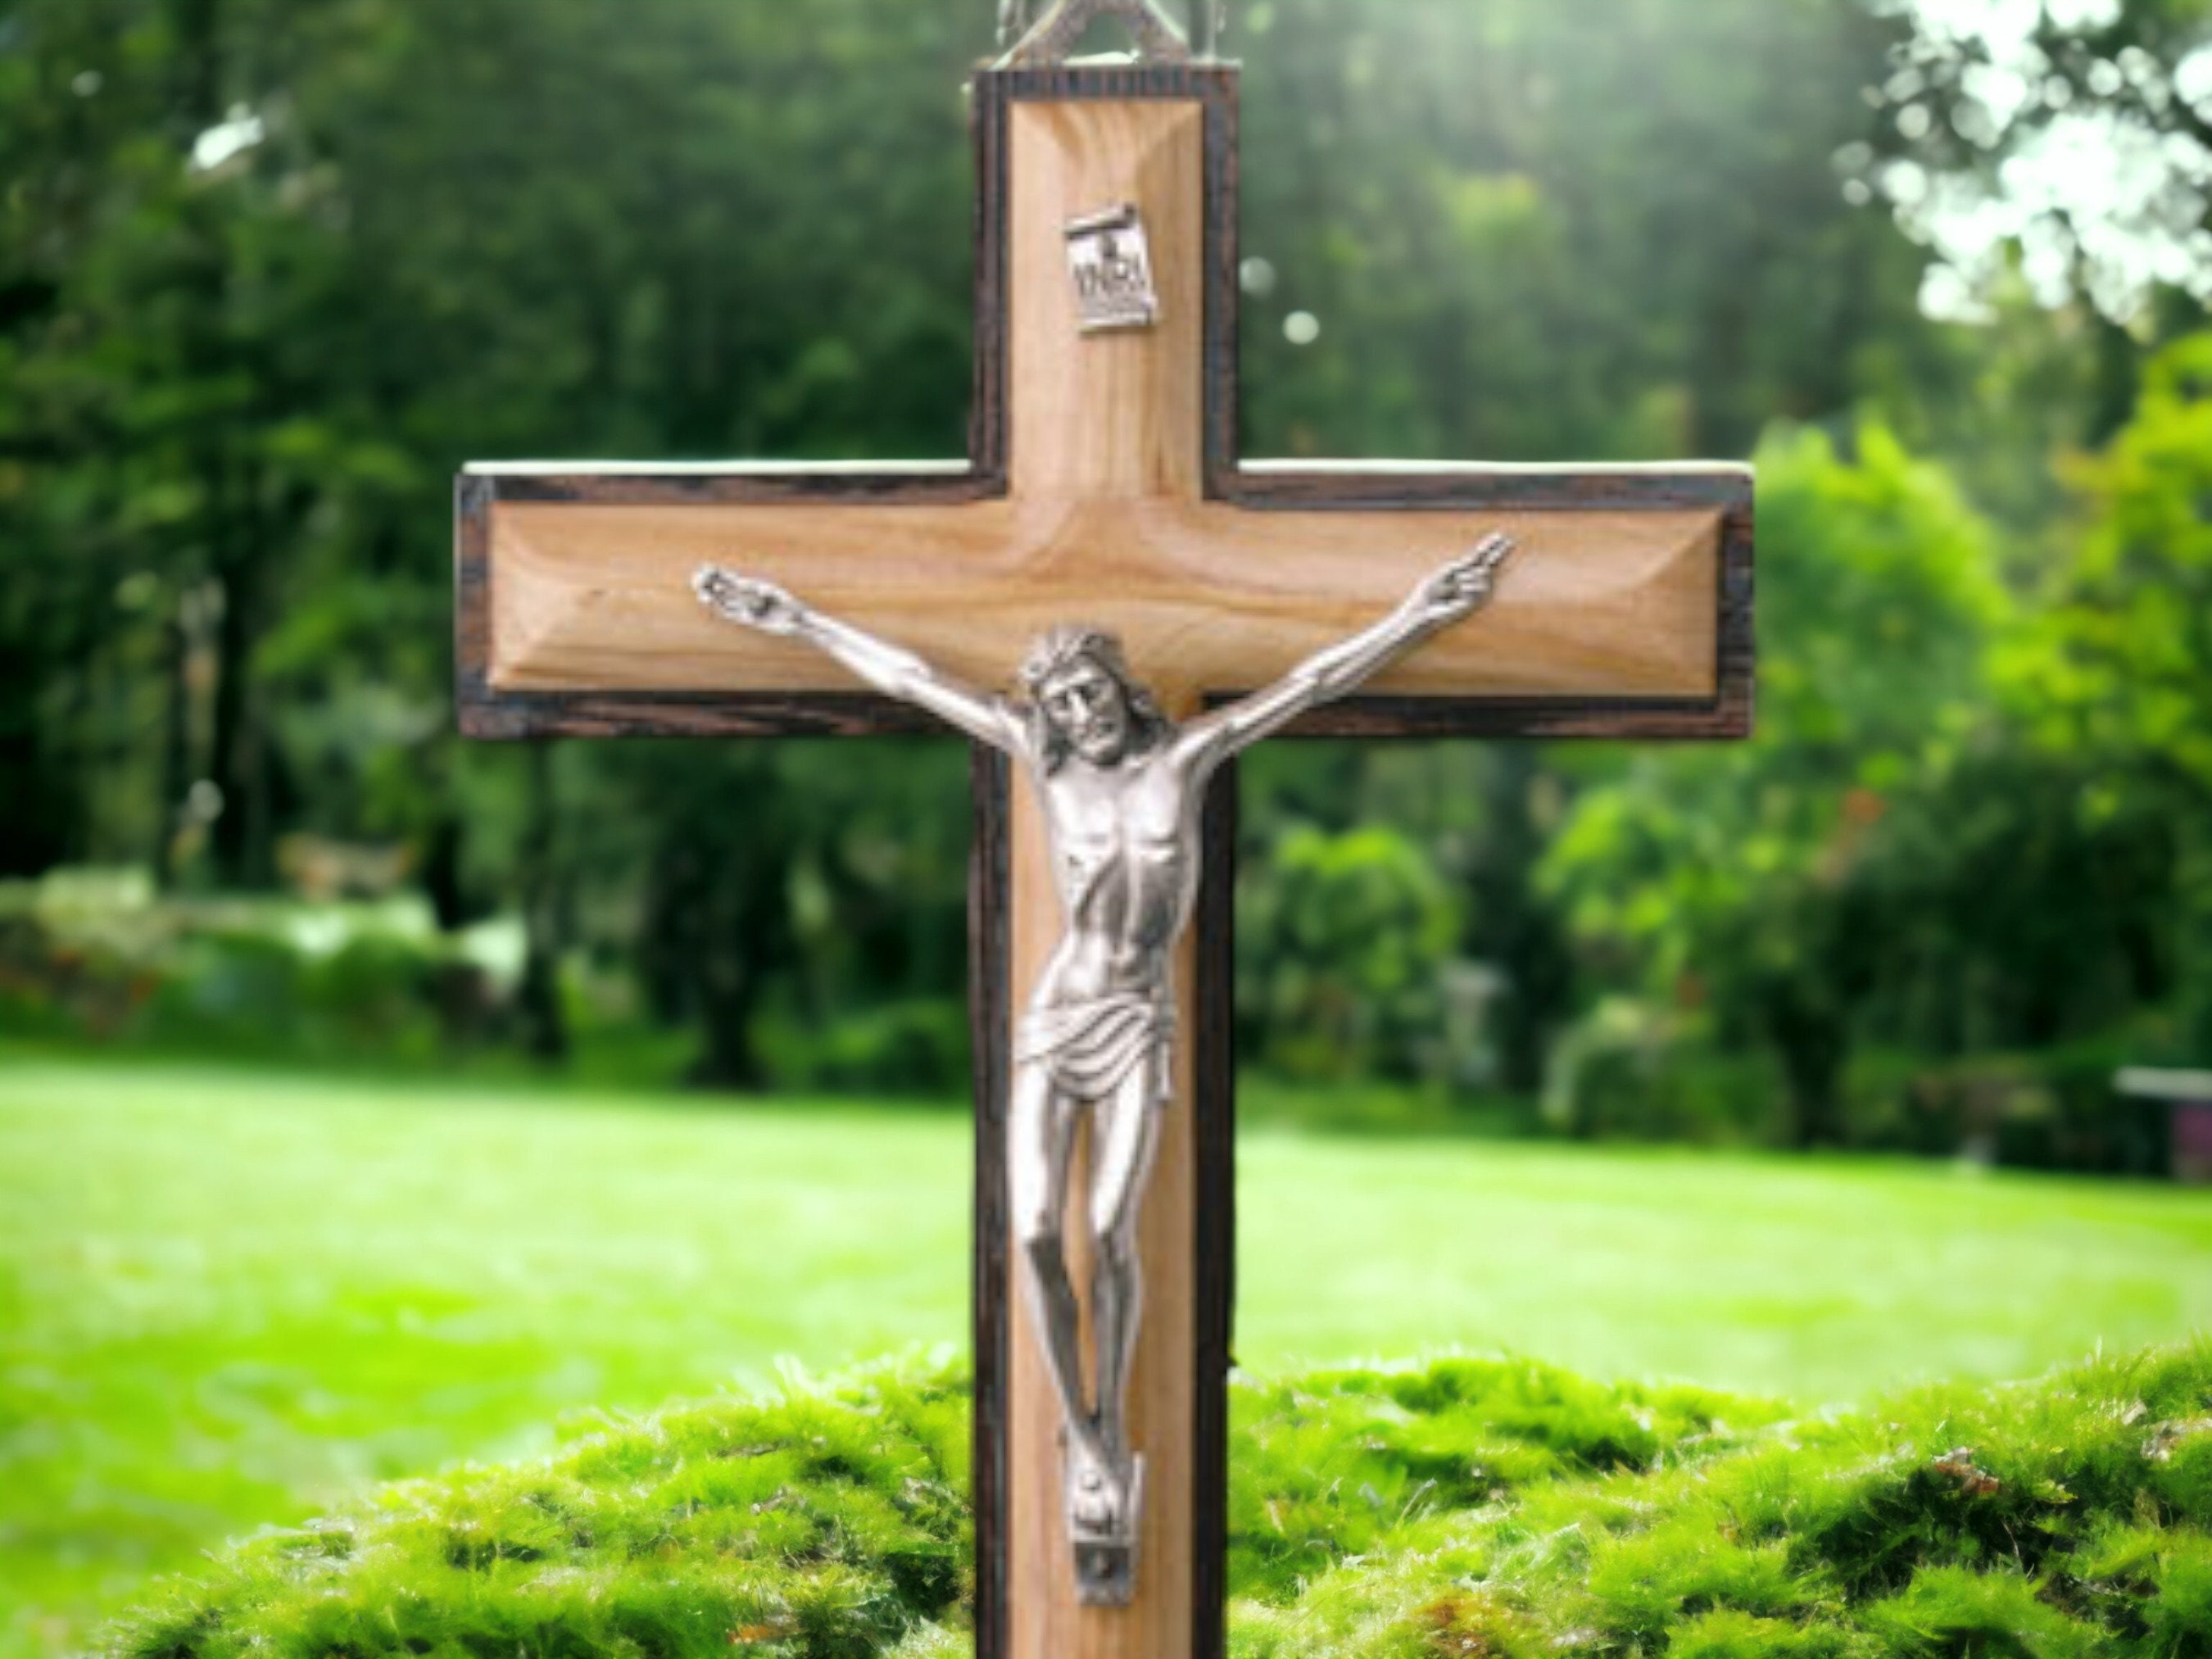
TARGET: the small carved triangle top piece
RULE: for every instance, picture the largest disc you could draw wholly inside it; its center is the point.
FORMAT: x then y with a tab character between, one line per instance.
1058	34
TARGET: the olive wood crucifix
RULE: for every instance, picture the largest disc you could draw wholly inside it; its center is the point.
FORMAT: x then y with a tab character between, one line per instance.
1104	485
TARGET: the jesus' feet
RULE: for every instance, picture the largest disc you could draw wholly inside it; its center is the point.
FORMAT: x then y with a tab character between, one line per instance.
1100	1503
1104	1500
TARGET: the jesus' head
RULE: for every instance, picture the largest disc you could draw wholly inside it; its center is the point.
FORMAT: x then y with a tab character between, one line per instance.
1085	702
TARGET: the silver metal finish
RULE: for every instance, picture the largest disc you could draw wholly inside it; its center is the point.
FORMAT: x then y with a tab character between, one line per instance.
1110	259
1122	787
1061	31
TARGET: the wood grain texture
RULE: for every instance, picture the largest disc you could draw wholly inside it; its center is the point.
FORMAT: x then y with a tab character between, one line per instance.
1212	600
990	1015
1118	414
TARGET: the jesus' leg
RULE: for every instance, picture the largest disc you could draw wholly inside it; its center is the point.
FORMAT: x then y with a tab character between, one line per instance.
1040	1145
1126	1136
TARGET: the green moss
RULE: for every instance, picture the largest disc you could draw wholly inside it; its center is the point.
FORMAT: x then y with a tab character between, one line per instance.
1492	1508
1327	1465
1947	1610
829	1525
1726	1634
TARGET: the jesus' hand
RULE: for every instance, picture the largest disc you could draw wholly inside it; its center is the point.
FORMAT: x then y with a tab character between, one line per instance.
748	601
1465	585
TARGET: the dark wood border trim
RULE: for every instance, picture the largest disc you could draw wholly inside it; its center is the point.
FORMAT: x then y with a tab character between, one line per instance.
472	505
1213	1127
1702	719
1265	488
514	716
988	413
766	485
1738	714
990	1014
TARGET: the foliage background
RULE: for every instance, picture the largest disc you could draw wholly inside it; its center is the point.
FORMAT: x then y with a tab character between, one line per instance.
272	270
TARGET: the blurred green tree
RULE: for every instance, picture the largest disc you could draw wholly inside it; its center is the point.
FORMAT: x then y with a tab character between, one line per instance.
272	270
1538	231
1341	948
1723	877
2116	674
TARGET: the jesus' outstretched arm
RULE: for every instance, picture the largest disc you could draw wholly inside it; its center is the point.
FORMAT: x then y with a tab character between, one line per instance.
1450	595
890	668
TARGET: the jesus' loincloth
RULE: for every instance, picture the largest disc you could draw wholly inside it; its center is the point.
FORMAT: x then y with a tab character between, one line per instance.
1089	1049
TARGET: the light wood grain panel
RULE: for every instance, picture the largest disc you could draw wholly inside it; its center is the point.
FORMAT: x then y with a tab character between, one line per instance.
1045	1621
1106	470
1116	414
599	597
1210	599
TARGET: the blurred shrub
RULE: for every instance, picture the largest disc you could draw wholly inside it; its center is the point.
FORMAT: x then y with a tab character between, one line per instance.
2115	674
1343	942
1630	1070
248	990
1634	1071
1373	1106
1889	864
230	988
96	955
918	1048
2053	1111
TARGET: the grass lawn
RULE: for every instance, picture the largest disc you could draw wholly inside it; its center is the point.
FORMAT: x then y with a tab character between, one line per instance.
226	1297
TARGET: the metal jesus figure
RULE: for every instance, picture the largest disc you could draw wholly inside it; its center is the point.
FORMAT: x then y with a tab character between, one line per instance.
1122	787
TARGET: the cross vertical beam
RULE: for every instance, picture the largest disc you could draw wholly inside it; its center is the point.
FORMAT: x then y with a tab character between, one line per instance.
1118	419
1023	1604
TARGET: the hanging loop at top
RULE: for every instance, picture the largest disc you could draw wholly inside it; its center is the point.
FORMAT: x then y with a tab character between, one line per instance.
1057	35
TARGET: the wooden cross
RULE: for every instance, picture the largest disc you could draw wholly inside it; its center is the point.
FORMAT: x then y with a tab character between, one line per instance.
1104	485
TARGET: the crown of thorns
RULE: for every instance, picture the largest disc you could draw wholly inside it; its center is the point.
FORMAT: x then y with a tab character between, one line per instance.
1068	645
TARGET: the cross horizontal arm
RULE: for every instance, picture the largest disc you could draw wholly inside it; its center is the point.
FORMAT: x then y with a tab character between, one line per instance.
1613	619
